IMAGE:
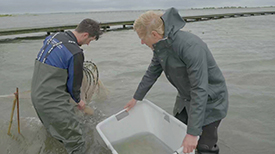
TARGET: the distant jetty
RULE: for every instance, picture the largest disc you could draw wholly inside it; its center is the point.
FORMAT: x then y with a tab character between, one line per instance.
5	15
120	25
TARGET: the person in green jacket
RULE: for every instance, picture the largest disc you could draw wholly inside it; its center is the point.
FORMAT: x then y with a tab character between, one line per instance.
202	100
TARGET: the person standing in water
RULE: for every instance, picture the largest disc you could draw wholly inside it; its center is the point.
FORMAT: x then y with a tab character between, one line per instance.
202	100
57	77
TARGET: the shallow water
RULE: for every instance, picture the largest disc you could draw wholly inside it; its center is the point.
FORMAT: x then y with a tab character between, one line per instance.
242	47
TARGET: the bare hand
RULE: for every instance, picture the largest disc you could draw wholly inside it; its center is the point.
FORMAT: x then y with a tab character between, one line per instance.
189	143
130	104
81	105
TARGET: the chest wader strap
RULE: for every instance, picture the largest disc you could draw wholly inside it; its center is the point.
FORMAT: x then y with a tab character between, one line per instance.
48	42
55	45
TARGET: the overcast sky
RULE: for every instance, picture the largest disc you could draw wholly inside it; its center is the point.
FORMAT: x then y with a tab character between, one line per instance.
51	6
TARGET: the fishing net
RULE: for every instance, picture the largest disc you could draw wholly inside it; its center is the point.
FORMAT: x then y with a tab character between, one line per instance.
92	87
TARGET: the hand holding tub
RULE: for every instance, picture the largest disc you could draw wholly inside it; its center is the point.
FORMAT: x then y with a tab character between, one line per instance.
130	104
189	143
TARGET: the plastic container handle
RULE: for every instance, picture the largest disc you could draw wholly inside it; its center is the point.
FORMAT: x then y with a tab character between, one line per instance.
180	150
121	114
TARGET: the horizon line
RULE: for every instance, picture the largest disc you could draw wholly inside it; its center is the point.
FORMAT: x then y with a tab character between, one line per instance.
126	10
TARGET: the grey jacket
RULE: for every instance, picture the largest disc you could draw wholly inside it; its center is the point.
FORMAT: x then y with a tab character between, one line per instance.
190	67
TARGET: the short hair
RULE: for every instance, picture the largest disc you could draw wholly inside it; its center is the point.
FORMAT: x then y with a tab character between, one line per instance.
89	26
148	22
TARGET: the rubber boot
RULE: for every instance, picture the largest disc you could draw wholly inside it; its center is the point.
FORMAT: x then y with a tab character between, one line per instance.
204	149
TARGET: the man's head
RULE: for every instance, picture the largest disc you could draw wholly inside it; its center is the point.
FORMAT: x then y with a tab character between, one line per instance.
150	28
86	31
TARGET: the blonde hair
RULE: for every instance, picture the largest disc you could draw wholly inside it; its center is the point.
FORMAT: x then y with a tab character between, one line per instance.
148	22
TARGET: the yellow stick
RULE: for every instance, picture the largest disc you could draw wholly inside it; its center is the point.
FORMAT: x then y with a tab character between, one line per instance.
18	119
12	112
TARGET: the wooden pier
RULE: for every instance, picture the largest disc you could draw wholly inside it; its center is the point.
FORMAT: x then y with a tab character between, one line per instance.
128	24
227	15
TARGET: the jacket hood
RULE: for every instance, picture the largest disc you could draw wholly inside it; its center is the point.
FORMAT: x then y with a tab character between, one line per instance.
172	22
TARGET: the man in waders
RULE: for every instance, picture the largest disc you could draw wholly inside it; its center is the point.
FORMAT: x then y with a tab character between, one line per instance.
57	77
188	64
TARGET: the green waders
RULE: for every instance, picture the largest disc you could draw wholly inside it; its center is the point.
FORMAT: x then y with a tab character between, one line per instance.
51	102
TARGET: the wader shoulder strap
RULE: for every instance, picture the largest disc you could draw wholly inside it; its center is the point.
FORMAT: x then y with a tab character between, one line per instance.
53	46
48	42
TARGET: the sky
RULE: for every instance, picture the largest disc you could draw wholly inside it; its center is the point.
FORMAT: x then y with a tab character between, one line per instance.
53	6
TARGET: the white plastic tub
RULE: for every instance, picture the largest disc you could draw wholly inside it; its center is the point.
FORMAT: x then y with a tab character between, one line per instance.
145	117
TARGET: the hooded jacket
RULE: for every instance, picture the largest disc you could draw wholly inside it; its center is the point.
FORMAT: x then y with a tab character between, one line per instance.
190	67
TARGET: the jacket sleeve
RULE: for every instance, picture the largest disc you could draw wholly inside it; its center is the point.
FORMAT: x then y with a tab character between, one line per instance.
75	76
153	72
195	60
